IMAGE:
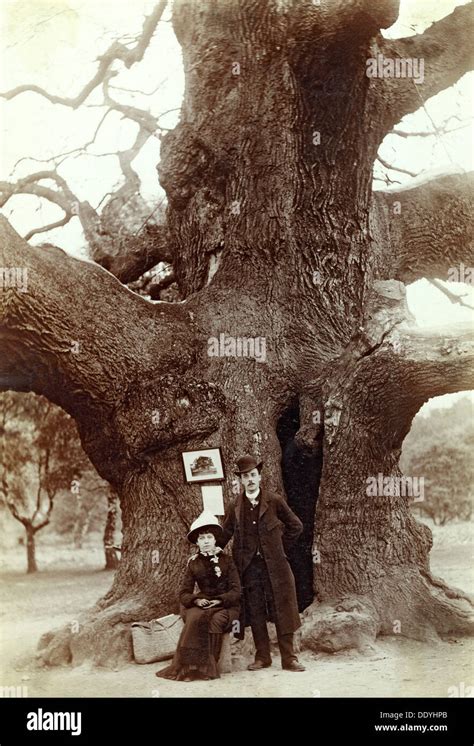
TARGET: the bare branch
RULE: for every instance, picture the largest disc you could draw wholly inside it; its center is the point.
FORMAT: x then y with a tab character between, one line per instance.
116	51
400	170
446	51
45	522
453	297
65	199
112	243
164	113
137	91
15	513
39	328
49	227
8	190
125	253
440	130
386	180
29	185
61	157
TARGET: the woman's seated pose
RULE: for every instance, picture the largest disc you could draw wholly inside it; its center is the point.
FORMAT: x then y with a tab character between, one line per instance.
208	613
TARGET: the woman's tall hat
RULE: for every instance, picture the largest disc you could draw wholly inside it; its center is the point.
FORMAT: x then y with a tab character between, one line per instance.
205	522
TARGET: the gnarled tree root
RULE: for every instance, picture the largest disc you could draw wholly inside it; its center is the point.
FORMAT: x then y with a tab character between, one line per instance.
102	636
407	602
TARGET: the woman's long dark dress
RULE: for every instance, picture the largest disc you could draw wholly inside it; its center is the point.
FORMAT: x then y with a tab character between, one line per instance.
193	658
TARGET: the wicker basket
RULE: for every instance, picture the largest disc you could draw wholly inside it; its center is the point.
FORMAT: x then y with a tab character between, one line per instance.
156	640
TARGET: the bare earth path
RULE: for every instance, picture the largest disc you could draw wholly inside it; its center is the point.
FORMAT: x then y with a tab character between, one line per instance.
398	667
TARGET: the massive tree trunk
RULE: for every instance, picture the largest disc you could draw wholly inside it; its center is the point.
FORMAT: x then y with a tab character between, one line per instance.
275	235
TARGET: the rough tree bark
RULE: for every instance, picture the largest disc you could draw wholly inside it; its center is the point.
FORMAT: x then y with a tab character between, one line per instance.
274	232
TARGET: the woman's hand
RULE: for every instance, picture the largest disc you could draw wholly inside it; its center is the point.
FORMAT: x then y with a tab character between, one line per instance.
215	602
202	602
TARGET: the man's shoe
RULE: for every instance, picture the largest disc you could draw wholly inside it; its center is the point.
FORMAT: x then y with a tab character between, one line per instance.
293	666
257	665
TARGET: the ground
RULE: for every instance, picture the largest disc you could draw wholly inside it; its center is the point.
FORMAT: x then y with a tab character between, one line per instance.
71	580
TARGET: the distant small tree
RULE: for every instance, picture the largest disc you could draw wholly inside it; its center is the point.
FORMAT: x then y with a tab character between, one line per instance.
40	456
111	556
440	448
87	492
448	481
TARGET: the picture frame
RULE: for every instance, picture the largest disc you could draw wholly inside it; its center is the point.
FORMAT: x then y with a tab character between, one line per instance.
204	465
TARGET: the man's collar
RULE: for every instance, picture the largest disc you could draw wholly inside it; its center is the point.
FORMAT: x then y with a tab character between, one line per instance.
262	500
254	496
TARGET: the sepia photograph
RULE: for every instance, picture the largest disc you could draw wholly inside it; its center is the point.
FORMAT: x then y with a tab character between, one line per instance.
237	362
203	466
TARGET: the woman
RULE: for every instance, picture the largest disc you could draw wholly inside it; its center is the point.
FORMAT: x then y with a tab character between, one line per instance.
208	613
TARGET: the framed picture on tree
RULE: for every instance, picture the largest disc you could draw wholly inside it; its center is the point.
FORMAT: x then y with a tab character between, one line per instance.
203	466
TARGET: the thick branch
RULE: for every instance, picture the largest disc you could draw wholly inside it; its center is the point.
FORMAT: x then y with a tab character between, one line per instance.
426	230
53	327
374	16
73	332
116	51
136	253
124	253
395	378
446	51
436	361
335	22
400	366
340	19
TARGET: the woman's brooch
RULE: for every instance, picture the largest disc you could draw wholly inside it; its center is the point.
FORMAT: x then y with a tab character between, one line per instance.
217	569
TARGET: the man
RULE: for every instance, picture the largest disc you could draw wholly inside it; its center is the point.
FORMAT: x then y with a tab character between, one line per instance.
263	527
